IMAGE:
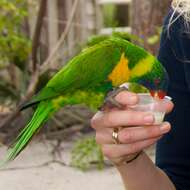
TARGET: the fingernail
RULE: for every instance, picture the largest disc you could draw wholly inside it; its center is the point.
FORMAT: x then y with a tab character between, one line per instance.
149	119
165	127
168	98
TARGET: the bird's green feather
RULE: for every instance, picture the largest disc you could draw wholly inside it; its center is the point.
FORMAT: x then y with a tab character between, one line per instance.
82	72
42	113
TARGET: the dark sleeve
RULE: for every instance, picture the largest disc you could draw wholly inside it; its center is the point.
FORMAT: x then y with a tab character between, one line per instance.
173	150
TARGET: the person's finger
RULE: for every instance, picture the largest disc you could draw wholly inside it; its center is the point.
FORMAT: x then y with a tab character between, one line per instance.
168	105
132	134
118	118
115	151
127	98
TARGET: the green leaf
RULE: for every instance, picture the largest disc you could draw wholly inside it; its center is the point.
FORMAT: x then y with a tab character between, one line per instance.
15	47
153	39
85	152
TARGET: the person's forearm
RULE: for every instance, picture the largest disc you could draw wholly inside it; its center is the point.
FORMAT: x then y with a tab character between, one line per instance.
142	174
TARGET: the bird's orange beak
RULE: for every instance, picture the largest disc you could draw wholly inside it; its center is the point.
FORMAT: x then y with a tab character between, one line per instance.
159	94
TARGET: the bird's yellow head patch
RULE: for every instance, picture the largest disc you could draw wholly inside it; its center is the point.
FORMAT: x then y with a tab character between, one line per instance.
143	66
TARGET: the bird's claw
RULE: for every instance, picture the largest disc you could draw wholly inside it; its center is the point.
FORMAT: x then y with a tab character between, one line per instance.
110	101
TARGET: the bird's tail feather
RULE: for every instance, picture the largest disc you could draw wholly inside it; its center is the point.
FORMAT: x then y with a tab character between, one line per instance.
44	110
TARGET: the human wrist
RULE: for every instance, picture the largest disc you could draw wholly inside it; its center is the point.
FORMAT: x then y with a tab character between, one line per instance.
134	157
128	159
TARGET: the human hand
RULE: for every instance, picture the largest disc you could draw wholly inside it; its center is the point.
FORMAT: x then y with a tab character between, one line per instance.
137	129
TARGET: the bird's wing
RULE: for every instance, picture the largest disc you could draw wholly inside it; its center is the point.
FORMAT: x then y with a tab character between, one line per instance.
90	68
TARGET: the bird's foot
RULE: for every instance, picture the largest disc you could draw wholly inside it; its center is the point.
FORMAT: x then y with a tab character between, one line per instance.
110	102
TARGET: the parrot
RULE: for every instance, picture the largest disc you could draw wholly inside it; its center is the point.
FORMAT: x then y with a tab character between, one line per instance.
88	78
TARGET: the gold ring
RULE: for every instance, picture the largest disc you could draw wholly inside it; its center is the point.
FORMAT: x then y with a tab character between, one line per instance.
115	135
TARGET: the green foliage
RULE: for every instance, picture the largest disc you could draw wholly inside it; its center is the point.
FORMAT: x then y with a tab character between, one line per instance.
154	39
85	153
15	47
109	12
14	44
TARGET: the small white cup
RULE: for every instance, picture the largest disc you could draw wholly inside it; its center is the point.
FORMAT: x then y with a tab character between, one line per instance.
156	106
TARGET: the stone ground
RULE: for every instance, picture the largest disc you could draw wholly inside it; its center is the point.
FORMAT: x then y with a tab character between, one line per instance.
34	170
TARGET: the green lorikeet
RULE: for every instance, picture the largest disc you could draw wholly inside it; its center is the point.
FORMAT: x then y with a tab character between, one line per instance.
88	77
